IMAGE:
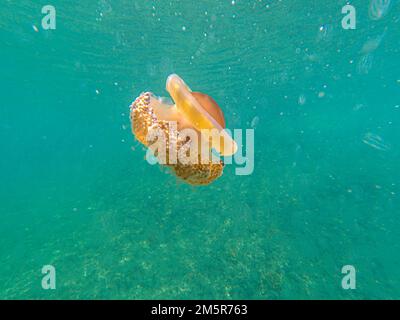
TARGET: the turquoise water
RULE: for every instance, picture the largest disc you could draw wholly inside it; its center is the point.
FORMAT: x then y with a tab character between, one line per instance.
76	192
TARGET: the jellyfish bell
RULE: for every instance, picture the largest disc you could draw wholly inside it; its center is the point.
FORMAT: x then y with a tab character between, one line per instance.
189	111
209	104
203	113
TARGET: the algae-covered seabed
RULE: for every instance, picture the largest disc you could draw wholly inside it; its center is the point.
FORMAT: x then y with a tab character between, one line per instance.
76	192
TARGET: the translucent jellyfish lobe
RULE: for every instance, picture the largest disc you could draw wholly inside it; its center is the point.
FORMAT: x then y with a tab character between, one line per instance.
378	8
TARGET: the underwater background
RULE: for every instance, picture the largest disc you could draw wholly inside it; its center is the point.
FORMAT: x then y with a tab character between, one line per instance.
76	192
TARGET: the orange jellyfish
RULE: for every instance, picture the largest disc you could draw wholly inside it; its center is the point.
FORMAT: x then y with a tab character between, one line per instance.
193	111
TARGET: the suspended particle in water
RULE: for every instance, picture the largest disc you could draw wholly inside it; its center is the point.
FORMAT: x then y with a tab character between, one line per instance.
104	7
302	99
375	141
373	44
283	77
311	57
151	69
254	122
325	32
365	63
120	39
378	8
358	106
